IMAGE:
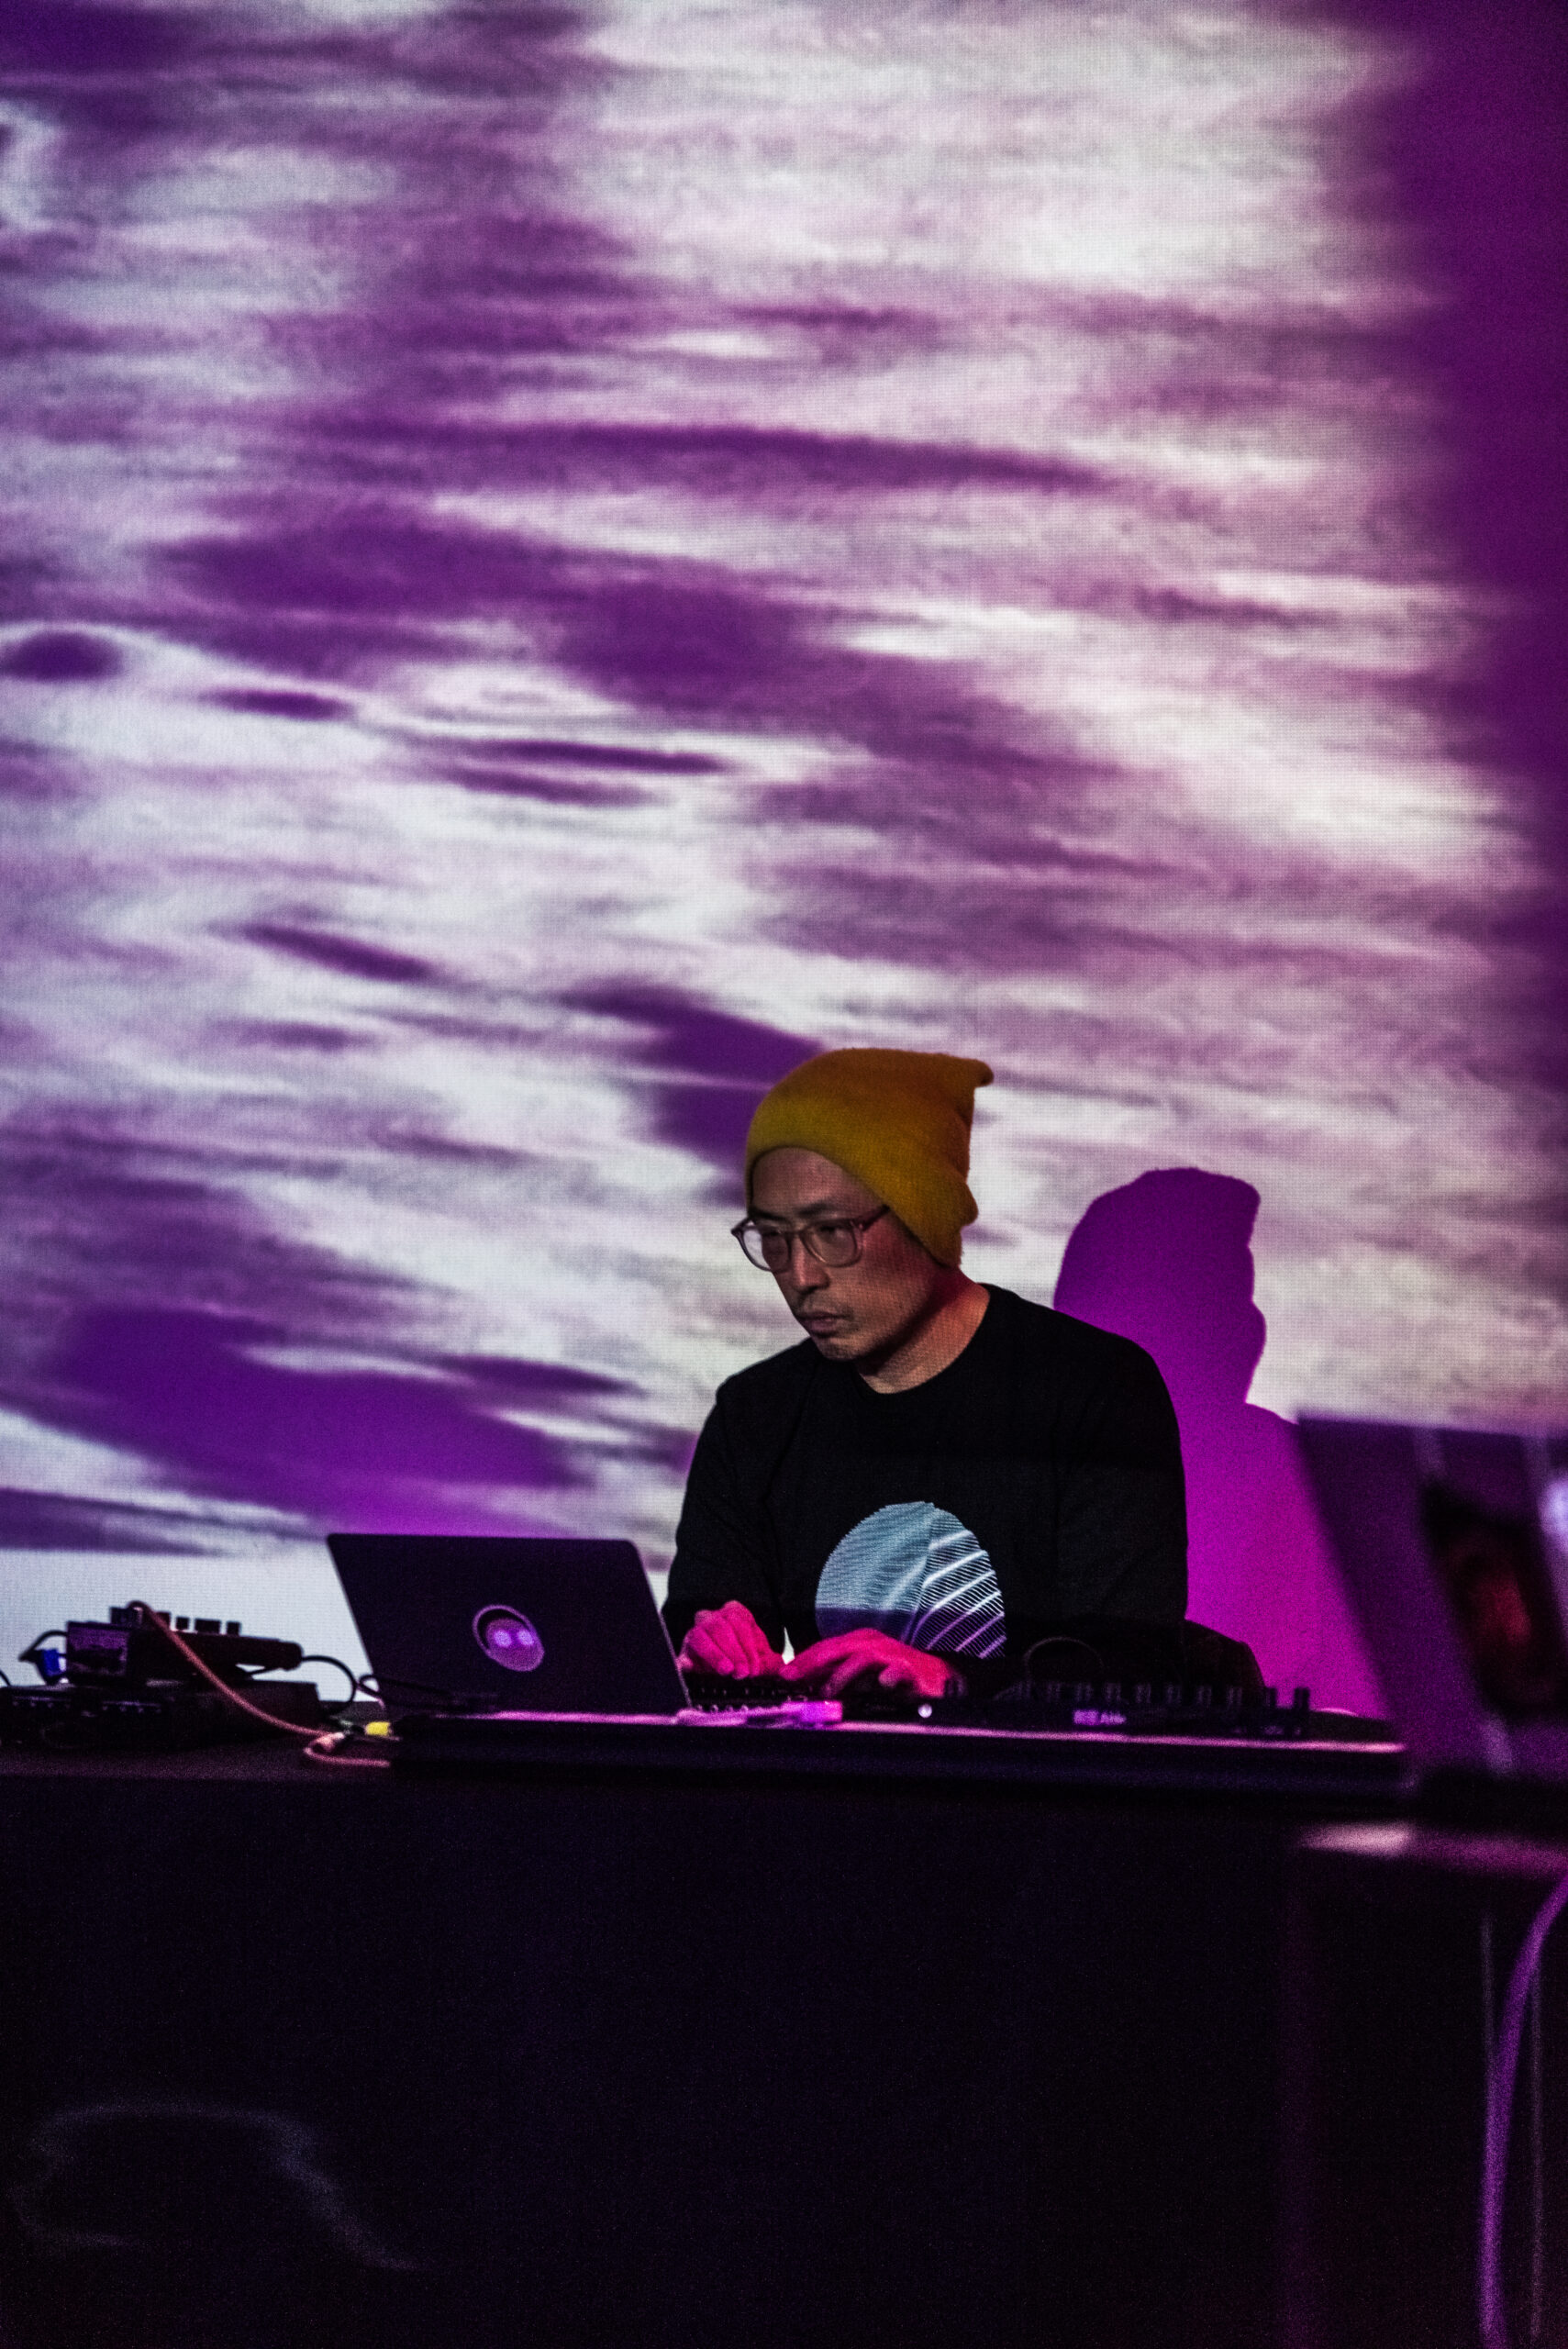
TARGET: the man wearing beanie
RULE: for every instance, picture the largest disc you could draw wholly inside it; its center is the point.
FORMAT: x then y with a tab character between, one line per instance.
940	1473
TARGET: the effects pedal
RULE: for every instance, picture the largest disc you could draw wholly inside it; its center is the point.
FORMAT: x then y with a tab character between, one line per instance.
121	1687
129	1653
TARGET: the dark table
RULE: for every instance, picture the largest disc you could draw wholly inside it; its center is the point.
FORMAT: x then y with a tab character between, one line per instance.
616	2056
1403	1936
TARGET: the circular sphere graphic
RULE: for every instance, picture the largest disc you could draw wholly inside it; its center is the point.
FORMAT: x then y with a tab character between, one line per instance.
508	1639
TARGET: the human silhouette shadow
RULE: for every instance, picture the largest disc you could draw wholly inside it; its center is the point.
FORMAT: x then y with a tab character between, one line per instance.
1167	1261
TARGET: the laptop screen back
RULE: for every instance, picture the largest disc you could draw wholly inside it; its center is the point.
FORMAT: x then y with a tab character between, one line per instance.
1454	1548
529	1625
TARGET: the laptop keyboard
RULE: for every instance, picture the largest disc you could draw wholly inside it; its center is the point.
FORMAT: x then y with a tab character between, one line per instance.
727	1692
720	1692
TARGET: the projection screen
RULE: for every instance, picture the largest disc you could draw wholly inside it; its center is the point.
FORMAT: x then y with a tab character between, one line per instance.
560	559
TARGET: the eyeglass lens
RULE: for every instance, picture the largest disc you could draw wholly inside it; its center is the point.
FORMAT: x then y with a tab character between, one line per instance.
833	1245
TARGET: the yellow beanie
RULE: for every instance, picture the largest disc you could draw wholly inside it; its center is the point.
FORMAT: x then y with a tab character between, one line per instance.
897	1122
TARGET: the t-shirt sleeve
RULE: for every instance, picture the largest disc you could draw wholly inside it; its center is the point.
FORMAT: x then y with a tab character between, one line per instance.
720	1542
1122	1521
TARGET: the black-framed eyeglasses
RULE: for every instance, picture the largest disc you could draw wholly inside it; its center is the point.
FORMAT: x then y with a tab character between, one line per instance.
836	1241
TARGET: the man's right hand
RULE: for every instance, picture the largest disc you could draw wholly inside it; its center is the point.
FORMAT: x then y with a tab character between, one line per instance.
730	1639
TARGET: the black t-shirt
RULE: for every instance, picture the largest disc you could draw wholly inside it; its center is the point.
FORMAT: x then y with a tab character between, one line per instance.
1036	1480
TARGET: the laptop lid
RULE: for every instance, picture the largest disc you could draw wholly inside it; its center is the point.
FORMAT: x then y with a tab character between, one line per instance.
1454	1551
531	1625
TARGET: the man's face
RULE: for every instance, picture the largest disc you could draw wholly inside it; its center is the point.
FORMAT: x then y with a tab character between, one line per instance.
863	1310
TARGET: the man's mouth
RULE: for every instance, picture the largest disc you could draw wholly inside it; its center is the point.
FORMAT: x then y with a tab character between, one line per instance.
818	1324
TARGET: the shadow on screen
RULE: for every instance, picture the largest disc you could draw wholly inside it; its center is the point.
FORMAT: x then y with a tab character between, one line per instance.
1167	1261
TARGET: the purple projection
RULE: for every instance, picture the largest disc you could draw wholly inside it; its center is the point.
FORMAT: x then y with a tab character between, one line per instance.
560	559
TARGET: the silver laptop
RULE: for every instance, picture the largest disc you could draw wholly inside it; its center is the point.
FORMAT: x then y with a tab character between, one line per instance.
508	1624
1454	1550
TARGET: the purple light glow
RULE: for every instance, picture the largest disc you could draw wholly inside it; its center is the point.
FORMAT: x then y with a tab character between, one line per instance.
561	559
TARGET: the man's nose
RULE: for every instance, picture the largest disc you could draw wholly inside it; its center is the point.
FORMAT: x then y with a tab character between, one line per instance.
805	1270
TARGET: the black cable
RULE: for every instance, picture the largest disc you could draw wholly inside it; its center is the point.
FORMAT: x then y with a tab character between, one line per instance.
451	1700
262	1672
31	1653
338	1665
417	1688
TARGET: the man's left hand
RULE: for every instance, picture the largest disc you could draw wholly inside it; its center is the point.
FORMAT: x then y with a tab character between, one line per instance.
833	1665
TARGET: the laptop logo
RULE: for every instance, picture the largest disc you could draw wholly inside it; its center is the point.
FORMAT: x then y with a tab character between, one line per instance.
508	1639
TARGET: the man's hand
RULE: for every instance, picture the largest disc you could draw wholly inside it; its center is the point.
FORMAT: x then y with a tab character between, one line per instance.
829	1668
728	1639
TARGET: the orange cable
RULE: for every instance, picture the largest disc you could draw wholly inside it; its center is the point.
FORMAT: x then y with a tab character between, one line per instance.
242	1704
320	1750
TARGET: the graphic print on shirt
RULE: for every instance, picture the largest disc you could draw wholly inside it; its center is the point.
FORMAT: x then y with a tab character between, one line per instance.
913	1571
